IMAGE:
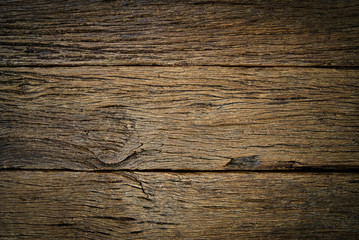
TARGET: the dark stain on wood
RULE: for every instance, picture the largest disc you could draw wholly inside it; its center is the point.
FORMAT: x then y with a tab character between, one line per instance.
249	162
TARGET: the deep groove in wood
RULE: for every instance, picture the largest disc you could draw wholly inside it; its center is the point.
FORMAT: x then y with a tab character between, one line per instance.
299	171
184	66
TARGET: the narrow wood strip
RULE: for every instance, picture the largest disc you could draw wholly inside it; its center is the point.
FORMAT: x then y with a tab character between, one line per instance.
68	205
199	118
230	32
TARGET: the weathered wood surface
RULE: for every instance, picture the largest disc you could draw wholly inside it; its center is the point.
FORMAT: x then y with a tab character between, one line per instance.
199	118
276	115
79	32
78	205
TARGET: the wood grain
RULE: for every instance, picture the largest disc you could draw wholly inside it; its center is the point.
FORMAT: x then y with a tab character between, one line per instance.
265	33
197	118
78	205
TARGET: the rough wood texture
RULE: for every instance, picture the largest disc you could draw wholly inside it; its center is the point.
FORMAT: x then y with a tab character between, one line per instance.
74	205
252	103
204	118
192	32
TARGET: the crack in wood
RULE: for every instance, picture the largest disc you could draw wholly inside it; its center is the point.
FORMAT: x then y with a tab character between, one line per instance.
135	179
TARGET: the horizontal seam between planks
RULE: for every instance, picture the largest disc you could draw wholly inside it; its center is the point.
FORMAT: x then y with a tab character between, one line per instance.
185	171
169	66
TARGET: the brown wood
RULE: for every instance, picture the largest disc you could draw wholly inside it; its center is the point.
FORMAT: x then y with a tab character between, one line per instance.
198	118
79	205
193	109
266	33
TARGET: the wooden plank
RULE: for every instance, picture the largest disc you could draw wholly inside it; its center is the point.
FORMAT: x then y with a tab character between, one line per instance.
68	205
231	32
202	118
